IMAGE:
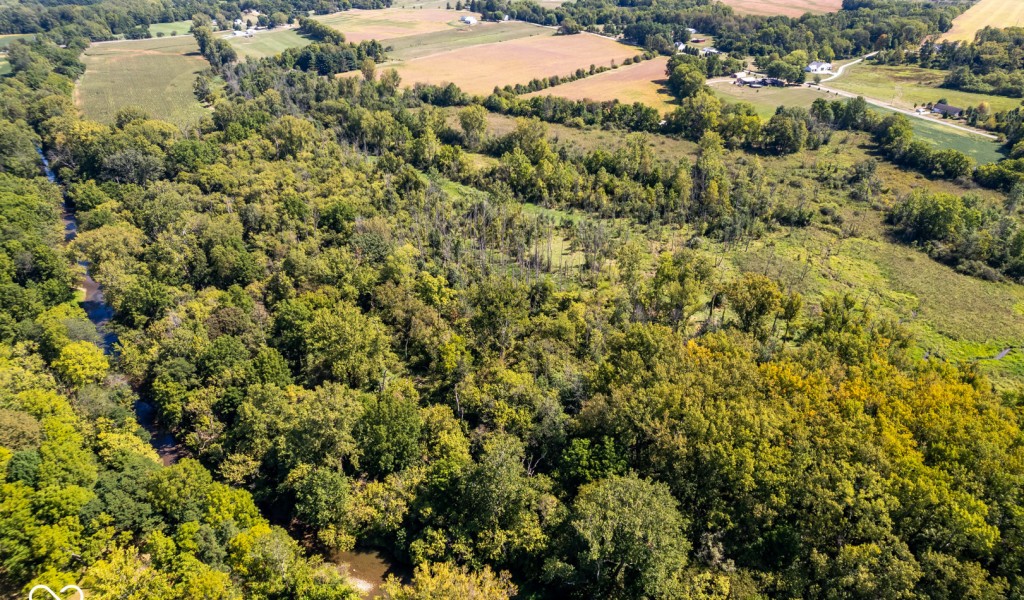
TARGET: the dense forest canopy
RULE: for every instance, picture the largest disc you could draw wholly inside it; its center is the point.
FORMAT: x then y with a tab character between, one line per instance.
348	301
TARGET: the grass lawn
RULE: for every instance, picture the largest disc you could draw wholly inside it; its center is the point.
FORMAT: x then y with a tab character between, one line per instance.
995	13
7	40
169	29
766	99
155	74
269	43
426	44
908	87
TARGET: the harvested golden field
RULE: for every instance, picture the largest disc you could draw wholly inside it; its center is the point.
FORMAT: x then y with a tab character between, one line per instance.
641	82
997	13
789	8
478	69
155	74
389	23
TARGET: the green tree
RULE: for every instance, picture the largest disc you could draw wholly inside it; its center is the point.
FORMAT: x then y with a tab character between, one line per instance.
628	539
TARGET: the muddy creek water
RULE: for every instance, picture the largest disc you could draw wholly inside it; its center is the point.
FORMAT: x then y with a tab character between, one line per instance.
100	313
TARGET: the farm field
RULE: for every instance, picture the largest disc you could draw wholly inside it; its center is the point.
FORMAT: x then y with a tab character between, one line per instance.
267	43
789	8
478	69
997	13
640	82
155	74
170	29
389	23
426	44
908	87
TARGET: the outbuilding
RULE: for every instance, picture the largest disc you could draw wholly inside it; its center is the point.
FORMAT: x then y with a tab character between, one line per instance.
946	110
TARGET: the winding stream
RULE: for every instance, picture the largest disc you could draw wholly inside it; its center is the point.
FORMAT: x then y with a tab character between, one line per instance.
365	569
100	314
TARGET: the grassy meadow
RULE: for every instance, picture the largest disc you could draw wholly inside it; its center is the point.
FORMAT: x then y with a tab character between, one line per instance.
170	29
155	74
909	87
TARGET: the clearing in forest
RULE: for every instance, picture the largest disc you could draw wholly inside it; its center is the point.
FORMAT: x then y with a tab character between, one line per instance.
995	13
789	8
155	74
640	82
267	43
478	69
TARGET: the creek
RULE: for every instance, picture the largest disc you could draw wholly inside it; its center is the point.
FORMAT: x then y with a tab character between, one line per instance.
100	314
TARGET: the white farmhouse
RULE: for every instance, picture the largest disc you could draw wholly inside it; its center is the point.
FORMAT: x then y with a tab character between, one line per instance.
468	20
819	67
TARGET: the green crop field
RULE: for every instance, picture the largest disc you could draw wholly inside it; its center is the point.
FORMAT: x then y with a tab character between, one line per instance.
908	87
170	29
426	44
981	149
155	74
270	43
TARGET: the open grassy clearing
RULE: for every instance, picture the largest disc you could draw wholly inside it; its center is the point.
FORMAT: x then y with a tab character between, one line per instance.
267	43
7	40
641	82
766	100
789	8
995	13
171	29
426	44
155	74
478	69
389	23
908	87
